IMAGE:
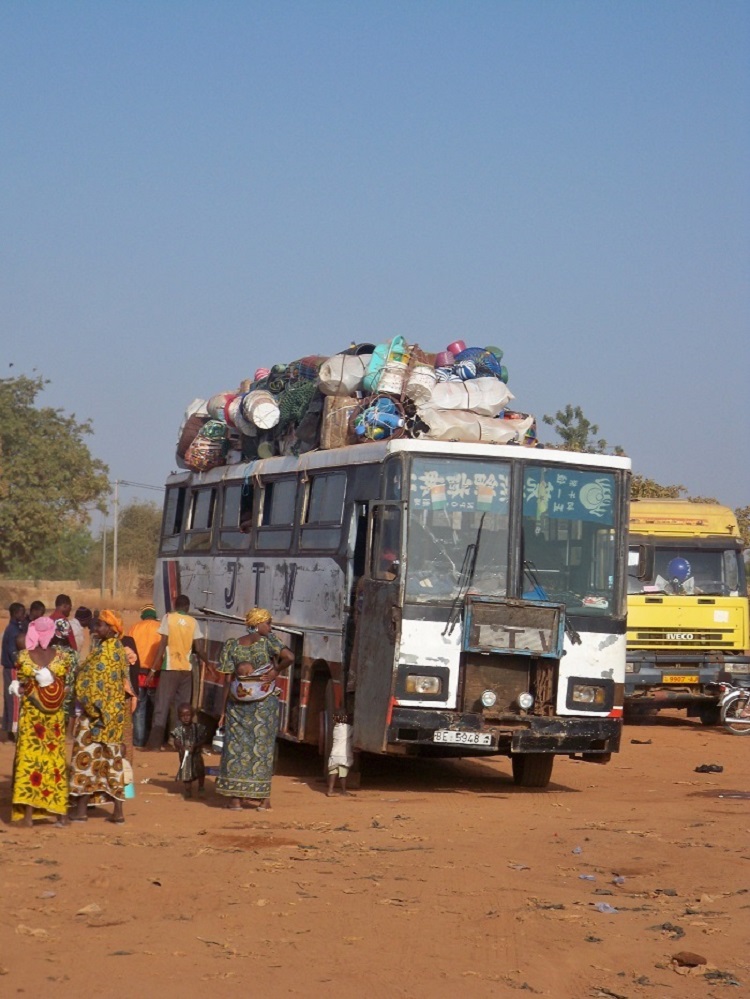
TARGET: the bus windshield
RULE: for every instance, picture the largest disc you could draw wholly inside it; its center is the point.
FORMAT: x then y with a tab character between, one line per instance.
684	569
569	538
458	514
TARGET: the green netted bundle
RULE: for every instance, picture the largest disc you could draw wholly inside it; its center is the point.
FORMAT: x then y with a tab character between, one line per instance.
213	430
293	404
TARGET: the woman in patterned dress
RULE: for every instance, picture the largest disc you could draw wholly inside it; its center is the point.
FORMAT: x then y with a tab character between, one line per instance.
102	688
250	715
40	784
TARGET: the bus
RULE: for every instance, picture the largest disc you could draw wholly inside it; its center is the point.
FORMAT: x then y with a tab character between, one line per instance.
455	599
687	606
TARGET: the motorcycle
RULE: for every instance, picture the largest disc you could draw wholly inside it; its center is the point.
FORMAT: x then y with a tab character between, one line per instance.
734	706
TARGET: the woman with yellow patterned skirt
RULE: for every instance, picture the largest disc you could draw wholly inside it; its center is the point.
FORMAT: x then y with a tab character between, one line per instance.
40	786
102	686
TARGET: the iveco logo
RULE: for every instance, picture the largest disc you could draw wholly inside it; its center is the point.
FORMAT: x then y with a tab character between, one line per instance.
680	636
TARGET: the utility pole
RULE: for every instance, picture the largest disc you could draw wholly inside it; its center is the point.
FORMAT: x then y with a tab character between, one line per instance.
114	538
104	556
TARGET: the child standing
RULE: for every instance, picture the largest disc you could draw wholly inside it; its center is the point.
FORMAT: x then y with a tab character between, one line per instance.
189	738
342	756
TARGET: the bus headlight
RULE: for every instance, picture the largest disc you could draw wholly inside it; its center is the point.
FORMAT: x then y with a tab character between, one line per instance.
416	684
489	698
584	693
525	701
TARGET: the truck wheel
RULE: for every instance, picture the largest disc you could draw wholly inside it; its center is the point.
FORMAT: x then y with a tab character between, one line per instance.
532	769
325	736
710	715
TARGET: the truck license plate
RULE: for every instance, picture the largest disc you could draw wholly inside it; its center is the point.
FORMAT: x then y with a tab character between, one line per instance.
680	678
463	738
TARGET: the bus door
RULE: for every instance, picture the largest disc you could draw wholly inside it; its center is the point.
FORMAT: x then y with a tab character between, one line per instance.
292	722
377	629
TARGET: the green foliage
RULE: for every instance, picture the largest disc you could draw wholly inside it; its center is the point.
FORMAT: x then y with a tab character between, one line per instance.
742	513
48	482
138	530
576	432
643	488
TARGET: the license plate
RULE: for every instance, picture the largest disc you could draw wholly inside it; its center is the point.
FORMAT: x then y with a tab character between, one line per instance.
462	738
680	678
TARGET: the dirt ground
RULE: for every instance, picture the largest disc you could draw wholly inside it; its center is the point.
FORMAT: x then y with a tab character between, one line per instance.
434	879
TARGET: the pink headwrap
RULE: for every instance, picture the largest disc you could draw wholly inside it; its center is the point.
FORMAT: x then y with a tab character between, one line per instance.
40	632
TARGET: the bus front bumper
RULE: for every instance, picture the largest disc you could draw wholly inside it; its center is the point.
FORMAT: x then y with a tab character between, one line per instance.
590	737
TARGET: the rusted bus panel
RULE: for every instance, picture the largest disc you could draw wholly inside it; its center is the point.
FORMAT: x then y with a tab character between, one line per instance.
377	637
506	676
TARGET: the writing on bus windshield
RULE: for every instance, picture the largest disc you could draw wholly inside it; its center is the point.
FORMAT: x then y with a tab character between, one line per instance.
568	538
450	499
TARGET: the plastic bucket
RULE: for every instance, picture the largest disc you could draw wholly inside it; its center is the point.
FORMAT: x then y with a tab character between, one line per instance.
392	377
443	359
261	409
456	347
420	383
217	404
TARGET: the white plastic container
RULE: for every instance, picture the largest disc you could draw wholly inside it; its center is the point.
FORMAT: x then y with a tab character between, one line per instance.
420	383
342	374
483	396
393	377
217	404
260	408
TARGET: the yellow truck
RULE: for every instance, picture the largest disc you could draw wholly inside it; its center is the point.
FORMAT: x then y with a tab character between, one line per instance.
687	606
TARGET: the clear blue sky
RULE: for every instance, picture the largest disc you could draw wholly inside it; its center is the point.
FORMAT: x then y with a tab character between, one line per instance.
190	190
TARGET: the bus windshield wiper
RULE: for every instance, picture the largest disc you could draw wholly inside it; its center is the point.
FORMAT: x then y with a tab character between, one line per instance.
465	578
531	571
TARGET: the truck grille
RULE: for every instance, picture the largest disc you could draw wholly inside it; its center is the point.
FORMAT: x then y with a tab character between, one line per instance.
712	638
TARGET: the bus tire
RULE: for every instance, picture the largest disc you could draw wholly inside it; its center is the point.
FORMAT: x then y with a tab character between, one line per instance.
532	769
325	737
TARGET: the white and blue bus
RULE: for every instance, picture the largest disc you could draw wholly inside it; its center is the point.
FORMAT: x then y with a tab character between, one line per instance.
456	599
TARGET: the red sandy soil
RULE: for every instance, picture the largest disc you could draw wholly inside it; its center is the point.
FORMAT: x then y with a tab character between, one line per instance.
435	879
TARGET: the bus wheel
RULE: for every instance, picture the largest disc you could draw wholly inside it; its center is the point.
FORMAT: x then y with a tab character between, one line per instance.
325	732
532	769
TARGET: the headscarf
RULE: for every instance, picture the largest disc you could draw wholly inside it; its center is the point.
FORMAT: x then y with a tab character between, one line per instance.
257	616
40	632
148	613
62	629
113	620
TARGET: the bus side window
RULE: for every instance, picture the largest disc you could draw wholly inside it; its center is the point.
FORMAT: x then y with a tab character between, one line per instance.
325	508
174	511
200	520
278	507
386	542
236	516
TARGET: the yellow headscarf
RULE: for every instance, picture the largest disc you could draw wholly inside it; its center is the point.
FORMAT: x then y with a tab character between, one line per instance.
257	616
113	620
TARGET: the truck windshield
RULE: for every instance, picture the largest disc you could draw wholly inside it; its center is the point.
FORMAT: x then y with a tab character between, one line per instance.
684	569
448	500
569	539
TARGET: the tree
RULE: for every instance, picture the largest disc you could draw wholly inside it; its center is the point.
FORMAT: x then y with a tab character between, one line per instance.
48	478
138	529
743	519
576	432
643	488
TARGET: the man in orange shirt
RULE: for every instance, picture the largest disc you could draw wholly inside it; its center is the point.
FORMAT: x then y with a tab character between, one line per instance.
179	633
145	634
